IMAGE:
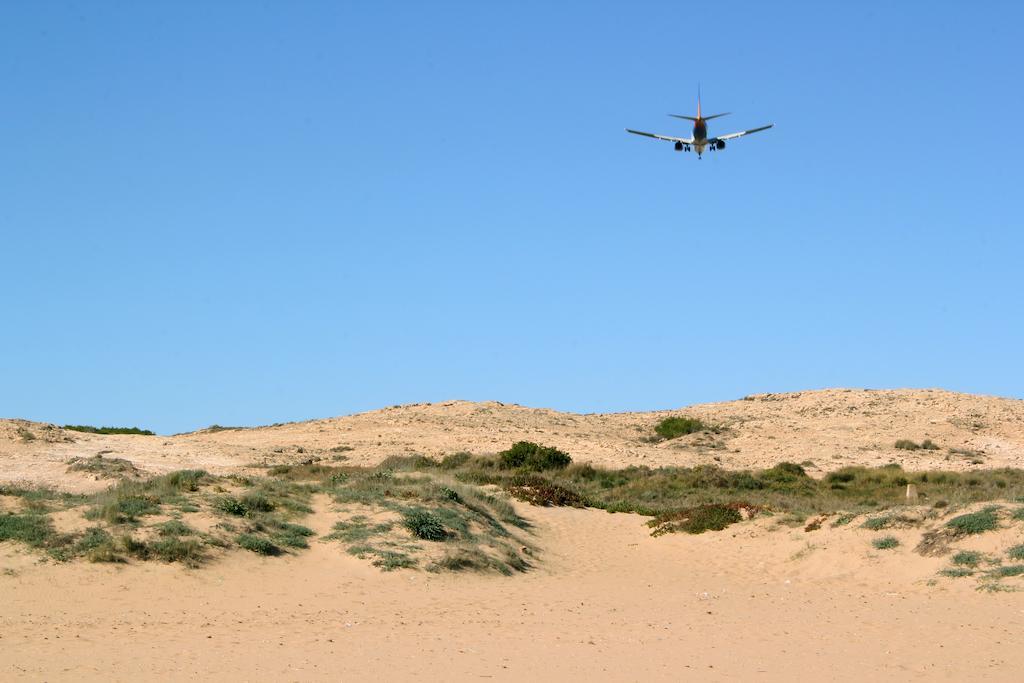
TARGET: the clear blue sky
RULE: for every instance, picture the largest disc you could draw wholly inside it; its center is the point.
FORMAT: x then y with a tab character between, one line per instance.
243	212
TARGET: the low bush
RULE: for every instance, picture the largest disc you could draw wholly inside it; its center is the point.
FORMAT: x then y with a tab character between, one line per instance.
957	572
975	522
697	520
533	457
885	543
673	427
258	545
1008	570
907	445
424	524
106	468
967	558
109	430
540	491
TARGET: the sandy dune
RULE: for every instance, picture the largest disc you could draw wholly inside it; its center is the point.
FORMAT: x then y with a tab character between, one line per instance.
605	599
831	428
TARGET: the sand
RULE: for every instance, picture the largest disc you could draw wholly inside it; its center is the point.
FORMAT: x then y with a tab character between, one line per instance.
604	600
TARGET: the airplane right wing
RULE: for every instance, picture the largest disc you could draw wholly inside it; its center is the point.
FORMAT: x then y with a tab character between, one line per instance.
730	136
685	141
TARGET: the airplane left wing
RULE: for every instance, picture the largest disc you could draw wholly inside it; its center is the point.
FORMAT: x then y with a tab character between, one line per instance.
685	141
731	136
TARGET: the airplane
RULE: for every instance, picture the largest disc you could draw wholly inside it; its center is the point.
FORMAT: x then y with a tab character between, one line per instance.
700	138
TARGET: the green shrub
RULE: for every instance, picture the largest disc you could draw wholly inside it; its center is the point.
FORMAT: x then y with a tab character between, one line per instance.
1016	552
929	445
258	545
907	445
463	559
246	506
697	520
956	572
673	427
424	524
967	558
539	491
390	560
104	467
175	527
173	549
292	535
231	506
455	460
886	542
34	530
109	430
534	457
843	519
1009	570
877	523
975	522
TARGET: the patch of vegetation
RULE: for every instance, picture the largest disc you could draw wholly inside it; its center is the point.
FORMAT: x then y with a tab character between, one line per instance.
674	427
885	543
995	587
249	505
907	445
539	491
454	461
525	455
888	521
175	527
929	445
109	430
389	560
843	519
968	558
104	468
291	535
188	552
25	434
424	525
697	520
34	530
258	545
1007	571
1017	515
1016	552
975	522
461	559
957	572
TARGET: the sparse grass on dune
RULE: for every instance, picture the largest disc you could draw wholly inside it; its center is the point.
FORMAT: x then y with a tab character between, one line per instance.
104	468
454	514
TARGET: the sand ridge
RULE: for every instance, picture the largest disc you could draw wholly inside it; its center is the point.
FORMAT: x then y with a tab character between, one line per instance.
831	428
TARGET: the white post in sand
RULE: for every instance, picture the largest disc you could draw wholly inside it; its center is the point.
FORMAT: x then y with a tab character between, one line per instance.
911	493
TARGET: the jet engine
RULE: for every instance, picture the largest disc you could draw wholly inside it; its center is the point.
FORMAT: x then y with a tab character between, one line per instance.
679	147
720	144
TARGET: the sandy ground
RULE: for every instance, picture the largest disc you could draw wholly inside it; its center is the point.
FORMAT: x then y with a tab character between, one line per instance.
605	600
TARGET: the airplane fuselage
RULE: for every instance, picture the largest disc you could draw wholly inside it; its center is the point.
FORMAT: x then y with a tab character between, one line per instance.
700	136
